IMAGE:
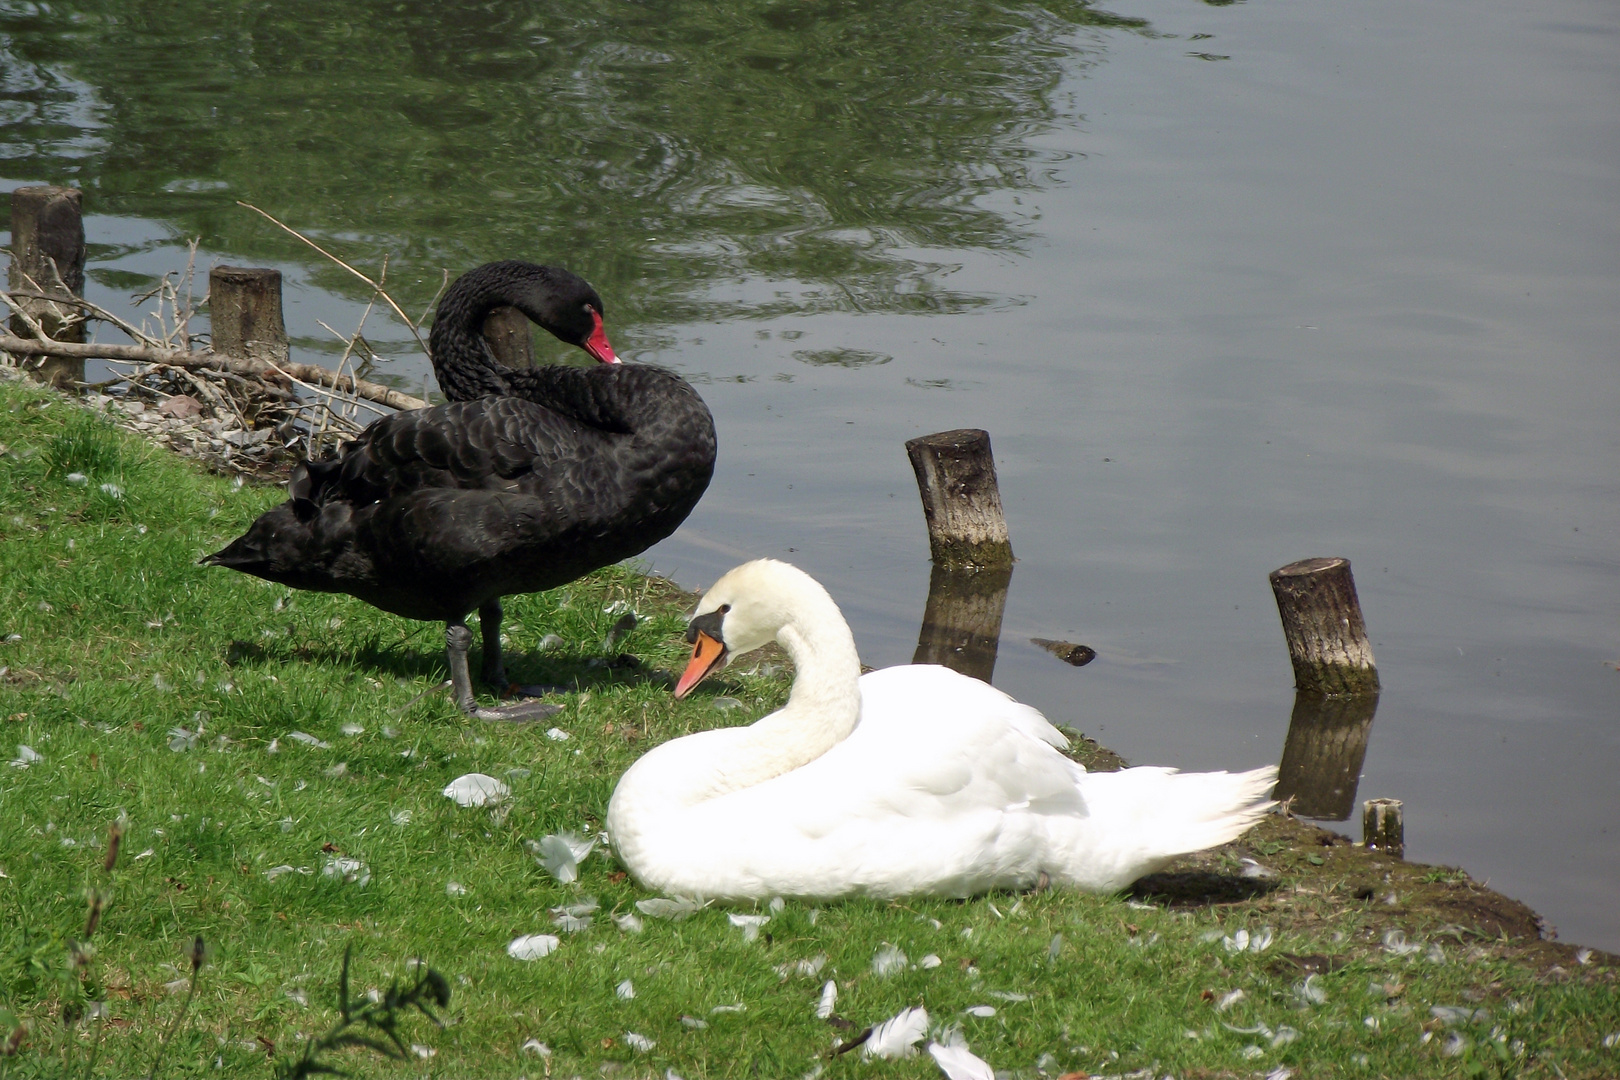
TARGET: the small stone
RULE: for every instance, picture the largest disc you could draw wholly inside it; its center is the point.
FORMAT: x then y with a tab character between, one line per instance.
181	406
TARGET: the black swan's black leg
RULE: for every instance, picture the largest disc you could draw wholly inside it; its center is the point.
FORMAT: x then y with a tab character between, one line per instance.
489	622
457	639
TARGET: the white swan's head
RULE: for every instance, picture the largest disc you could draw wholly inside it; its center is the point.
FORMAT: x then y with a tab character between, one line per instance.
748	608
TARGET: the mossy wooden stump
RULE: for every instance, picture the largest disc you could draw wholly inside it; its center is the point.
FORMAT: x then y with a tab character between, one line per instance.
244	309
956	477
47	260
1321	618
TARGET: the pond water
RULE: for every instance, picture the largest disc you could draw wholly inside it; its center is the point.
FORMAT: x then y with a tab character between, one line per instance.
1230	285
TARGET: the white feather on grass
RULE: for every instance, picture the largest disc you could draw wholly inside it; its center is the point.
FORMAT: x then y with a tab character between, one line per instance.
960	1063
674	909
749	924
888	960
829	998
561	854
533	946
897	1037
473	789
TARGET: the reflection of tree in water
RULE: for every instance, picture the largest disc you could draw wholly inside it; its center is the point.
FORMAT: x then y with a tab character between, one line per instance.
841	150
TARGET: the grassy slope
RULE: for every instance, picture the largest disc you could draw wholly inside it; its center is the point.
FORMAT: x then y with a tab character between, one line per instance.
121	638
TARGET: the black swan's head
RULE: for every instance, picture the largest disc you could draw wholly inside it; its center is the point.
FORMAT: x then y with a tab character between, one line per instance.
562	302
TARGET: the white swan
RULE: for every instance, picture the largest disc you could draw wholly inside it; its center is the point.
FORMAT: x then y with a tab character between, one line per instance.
909	780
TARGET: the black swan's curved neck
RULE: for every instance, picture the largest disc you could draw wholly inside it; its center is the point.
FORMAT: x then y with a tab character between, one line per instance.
562	303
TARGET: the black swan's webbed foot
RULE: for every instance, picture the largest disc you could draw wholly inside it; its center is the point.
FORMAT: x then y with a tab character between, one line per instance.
457	639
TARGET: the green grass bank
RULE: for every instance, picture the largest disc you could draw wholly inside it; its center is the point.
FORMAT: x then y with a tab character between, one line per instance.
144	685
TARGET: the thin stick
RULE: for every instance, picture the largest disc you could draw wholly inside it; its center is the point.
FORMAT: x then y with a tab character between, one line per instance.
380	290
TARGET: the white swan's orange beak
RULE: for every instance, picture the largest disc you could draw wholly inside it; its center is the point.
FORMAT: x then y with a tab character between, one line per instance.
706	656
597	344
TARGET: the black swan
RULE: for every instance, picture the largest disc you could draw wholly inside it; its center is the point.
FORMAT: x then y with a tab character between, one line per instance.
526	480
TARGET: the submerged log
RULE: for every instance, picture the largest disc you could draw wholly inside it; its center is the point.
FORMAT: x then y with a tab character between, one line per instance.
1321	760
961	625
47	257
1321	618
956	477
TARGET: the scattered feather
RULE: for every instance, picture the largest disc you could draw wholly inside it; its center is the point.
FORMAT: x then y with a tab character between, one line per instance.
561	854
809	967
1395	942
1435	954
549	642
777	904
400	817
1284	1036
888	960
454	888
1583	956
421	1051
739	1007
675	909
183	739
352	729
557	734
571	924
1308	993
625	990
276	871
629	922
26	756
748	924
983	1012
1252	869
1252	1051
476	789
1458	1014
1455	1044
1007	995
338	771
694	1023
897	1037
725	704
959	1063
533	946
639	1043
1229	999
345	869
1261	939
308	740
1054	948
1281	1072
1237	942
929	962
535	1046
829	998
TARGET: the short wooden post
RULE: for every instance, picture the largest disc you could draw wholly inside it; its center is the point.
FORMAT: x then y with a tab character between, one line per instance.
506	332
47	257
961	625
1321	619
244	309
1382	828
957	479
1321	760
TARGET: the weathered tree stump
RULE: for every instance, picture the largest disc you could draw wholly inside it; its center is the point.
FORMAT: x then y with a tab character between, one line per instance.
1382	828
244	307
47	257
1321	760
1321	619
956	477
961	625
506	332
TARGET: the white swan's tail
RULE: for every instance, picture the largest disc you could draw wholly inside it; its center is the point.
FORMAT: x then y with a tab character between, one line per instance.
1140	819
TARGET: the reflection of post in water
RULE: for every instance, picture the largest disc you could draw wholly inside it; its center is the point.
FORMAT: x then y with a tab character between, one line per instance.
1321	760
961	626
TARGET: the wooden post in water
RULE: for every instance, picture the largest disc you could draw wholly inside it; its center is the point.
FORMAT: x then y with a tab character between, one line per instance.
47	257
506	332
1321	619
244	308
1382	828
957	479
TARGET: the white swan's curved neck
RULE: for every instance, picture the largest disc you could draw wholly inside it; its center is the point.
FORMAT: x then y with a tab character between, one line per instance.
821	710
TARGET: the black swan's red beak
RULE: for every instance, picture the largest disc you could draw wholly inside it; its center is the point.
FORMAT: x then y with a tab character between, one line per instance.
597	344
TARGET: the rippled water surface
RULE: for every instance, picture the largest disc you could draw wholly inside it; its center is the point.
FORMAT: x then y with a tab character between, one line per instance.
1230	285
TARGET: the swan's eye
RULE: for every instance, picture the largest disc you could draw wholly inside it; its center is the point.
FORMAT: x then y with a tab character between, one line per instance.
723	608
